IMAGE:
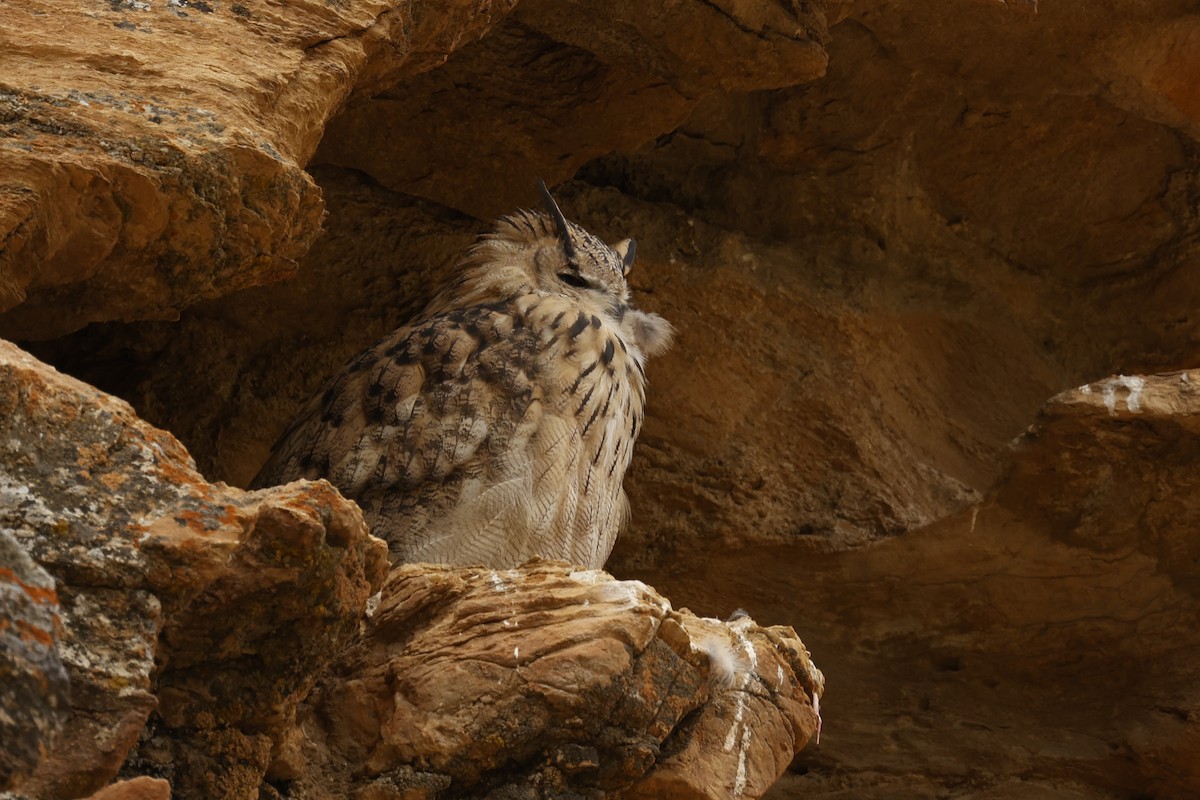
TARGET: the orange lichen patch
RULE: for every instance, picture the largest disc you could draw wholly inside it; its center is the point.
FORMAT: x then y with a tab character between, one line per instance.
166	444
173	472
229	515
37	401
192	519
33	633
91	456
112	480
316	493
207	518
45	596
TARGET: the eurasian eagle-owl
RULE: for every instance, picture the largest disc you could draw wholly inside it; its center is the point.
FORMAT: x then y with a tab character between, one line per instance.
499	423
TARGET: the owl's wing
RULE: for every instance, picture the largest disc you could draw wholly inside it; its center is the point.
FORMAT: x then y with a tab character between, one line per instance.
415	418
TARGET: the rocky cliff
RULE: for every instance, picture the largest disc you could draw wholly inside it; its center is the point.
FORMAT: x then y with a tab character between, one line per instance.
930	403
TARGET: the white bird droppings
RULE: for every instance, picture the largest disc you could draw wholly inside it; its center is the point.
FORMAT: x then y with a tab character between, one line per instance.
743	742
816	704
739	779
1131	383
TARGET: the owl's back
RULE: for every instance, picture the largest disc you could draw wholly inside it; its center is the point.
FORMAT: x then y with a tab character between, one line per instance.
475	436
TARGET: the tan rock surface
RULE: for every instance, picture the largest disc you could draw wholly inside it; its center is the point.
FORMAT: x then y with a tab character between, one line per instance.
953	149
740	742
135	789
561	83
1043	633
152	153
698	47
210	607
546	681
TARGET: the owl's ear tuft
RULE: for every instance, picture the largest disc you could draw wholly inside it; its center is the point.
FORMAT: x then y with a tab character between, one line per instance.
627	250
560	222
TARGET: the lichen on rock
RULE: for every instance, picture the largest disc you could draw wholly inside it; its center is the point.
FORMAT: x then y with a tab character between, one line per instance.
209	607
34	689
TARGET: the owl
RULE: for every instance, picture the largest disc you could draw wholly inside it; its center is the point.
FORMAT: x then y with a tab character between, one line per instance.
498	424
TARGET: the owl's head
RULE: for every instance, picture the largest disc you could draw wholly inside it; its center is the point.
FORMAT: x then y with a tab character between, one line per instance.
570	261
544	253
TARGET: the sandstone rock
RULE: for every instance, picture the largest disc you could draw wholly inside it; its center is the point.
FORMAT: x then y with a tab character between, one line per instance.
742	740
1115	446
879	277
535	108
135	789
34	690
153	153
1044	635
547	681
209	606
893	155
559	84
697	47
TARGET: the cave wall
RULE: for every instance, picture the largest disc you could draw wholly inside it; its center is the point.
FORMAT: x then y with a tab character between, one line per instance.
888	234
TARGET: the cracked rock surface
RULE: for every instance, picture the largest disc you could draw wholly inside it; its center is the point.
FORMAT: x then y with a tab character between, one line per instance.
197	619
546	682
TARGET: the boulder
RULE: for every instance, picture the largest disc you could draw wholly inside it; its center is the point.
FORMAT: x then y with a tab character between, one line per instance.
547	681
152	154
211	608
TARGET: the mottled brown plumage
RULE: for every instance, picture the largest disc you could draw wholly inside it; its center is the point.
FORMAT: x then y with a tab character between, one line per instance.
498	424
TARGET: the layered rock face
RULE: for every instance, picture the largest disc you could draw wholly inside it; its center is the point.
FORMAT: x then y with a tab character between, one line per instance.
888	234
1039	632
153	153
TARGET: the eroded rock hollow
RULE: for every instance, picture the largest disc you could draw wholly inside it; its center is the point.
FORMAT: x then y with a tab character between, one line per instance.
931	402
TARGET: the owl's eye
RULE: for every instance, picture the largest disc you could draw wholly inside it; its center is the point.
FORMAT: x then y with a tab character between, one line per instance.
572	279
